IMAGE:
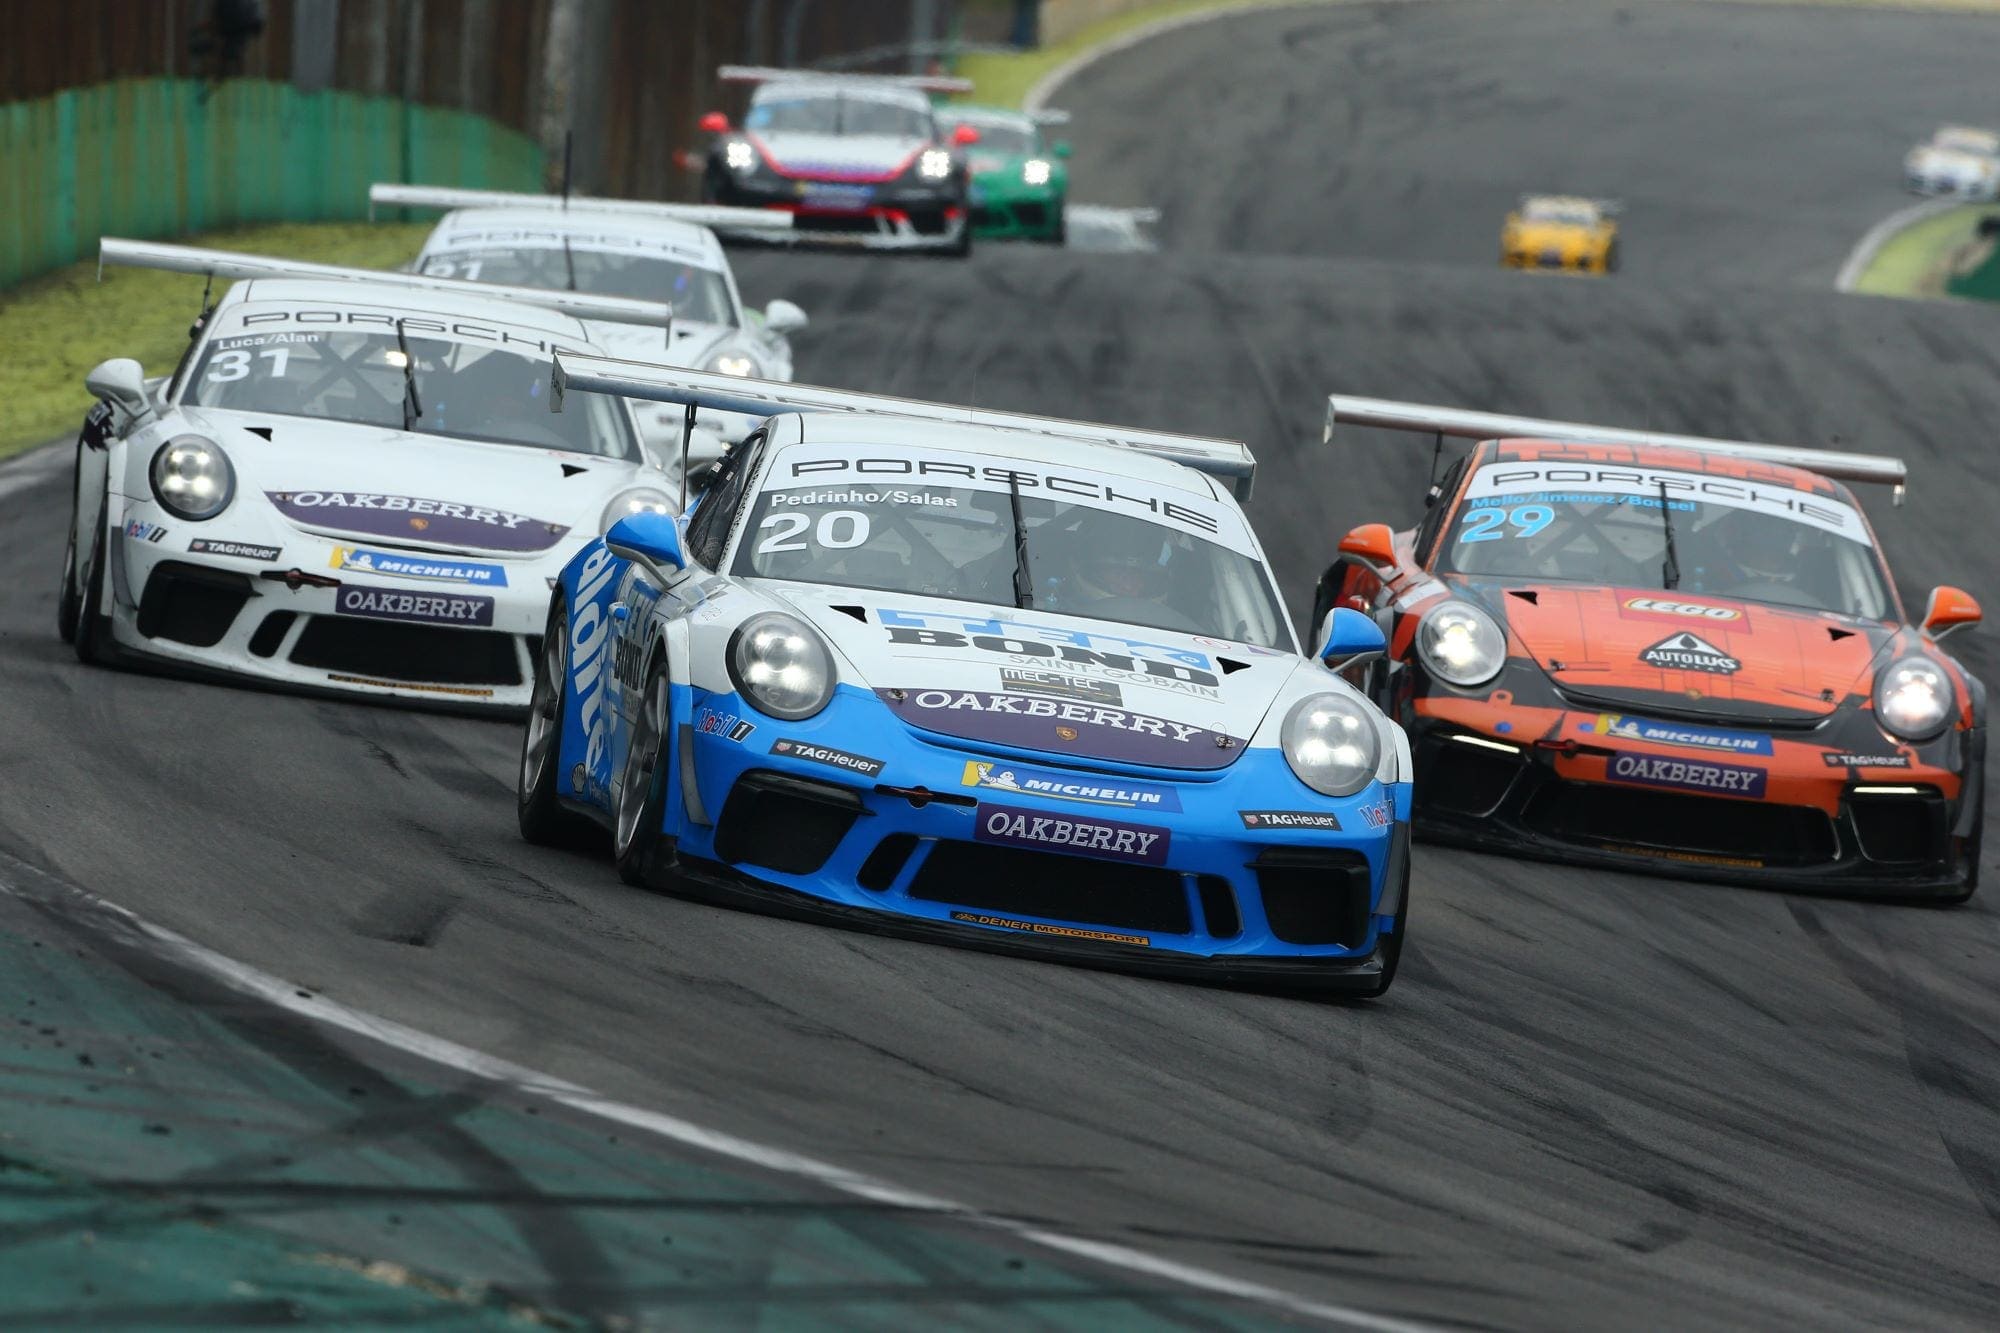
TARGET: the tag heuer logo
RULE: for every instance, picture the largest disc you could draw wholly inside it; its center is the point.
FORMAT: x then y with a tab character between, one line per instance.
1690	652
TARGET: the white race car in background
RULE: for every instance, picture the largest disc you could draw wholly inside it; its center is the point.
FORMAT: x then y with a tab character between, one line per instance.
351	483
617	247
1958	161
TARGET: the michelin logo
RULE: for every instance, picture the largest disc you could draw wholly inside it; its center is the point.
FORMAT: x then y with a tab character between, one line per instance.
397	565
1030	782
1675	733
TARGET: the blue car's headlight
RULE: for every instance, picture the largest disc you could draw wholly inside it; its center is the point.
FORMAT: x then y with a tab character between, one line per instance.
779	664
1331	743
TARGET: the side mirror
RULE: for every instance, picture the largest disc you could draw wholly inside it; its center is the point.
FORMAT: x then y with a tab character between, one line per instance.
965	136
1372	542
715	123
123	381
1949	609
781	316
649	538
1347	635
1060	148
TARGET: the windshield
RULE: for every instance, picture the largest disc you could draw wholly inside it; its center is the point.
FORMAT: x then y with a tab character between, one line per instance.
1000	139
695	292
1575	215
941	524
1731	538
838	113
466	390
1968	141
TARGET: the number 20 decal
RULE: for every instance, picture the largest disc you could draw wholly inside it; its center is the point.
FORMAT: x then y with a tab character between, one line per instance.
838	530
1483	525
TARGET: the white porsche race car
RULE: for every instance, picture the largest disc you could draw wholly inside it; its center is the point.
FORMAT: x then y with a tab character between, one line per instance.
351	483
619	247
1958	161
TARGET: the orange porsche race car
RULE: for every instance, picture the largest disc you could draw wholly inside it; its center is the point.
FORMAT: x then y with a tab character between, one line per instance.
1668	653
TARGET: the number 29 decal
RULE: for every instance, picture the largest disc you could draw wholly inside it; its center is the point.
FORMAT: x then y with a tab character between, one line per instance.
1484	525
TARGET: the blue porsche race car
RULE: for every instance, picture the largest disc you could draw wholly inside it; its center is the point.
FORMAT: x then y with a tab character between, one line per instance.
1014	682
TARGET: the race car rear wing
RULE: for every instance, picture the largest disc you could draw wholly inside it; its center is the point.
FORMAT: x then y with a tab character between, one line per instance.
1462	424
243	267
701	215
762	398
926	83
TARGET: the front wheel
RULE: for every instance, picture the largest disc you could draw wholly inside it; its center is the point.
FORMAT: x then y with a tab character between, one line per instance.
542	818
640	847
1392	943
69	602
92	636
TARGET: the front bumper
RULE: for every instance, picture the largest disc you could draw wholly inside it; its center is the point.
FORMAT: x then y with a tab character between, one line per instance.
239	615
1016	213
931	843
889	216
1534	781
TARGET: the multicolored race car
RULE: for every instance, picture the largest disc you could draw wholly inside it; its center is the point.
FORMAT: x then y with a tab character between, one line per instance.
1561	233
1020	182
1003	680
1669	653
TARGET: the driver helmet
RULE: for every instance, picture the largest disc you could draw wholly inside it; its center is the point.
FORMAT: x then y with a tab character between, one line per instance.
1120	557
1762	546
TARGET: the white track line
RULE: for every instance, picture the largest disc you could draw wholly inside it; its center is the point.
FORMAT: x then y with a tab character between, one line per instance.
285	995
1879	235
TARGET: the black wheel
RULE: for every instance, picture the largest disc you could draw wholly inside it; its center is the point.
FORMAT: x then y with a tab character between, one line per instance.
542	817
69	602
1974	844
1392	944
1060	236
963	246
92	638
642	851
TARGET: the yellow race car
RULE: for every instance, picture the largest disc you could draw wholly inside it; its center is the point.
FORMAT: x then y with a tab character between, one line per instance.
1561	233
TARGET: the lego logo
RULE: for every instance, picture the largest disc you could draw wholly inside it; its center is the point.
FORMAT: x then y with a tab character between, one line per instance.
1696	609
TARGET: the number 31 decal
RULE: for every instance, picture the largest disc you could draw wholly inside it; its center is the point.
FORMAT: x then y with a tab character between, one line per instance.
1483	525
838	530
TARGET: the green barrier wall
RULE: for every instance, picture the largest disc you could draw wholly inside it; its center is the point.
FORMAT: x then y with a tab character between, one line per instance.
164	157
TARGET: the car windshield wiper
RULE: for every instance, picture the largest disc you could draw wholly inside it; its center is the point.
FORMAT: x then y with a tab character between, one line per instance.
1670	568
1024	583
412	406
569	263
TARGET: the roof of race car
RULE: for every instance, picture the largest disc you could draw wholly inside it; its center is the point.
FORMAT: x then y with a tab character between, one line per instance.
684	241
986	115
999	442
402	301
800	84
1661	456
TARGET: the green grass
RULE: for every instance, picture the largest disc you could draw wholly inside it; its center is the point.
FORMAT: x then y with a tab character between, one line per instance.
54	328
1004	80
1917	259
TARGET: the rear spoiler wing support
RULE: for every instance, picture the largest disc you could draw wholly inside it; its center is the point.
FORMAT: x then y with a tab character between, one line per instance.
700	215
246	267
1440	421
1227	459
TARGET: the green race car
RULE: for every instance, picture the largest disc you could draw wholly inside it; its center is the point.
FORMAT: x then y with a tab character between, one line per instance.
1020	181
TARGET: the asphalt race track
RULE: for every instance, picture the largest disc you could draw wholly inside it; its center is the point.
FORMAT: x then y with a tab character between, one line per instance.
1592	1100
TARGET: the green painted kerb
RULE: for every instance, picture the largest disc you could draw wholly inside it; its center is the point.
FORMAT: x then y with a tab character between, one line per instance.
165	157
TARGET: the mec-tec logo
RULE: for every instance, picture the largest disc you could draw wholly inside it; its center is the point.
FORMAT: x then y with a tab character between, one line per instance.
1690	652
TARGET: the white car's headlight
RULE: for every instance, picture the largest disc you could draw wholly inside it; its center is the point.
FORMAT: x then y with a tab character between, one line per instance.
780	666
192	478
1459	643
1036	172
934	165
1913	699
740	156
731	362
1331	743
638	500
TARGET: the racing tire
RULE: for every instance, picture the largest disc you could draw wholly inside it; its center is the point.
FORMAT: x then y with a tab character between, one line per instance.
69	602
640	847
537	809
962	247
1976	844
1057	236
92	639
